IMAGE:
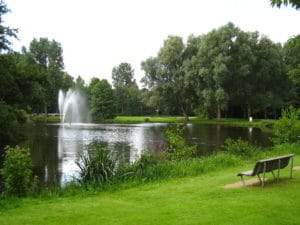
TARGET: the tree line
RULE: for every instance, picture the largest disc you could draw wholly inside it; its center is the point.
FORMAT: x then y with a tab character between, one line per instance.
226	72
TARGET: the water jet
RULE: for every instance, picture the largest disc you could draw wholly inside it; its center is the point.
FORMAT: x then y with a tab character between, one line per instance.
72	106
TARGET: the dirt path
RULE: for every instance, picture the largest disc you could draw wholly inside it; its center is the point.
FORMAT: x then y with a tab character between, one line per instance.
250	182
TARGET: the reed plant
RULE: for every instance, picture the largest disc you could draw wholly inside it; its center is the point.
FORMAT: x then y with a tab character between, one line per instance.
97	165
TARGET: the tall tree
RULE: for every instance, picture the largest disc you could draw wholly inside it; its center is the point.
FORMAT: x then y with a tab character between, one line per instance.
5	32
102	102
127	94
166	77
213	59
292	60
48	56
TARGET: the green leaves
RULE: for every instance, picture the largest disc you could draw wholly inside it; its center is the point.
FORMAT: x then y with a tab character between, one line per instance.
102	101
17	171
287	129
96	165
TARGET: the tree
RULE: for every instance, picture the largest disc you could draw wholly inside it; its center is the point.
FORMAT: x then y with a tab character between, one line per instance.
165	76
5	32
122	75
292	60
9	132
101	100
278	3
213	61
48	56
128	99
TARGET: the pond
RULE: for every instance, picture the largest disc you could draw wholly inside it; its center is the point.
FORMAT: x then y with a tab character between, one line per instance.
56	147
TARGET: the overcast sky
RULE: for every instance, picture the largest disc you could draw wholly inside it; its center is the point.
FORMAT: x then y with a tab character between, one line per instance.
97	35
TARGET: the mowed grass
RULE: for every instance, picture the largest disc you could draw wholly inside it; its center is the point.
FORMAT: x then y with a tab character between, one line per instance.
193	200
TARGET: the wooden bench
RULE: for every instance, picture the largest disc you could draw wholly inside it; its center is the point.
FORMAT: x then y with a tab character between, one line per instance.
269	165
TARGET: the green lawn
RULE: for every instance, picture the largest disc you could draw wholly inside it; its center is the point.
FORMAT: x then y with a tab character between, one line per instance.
260	123
192	200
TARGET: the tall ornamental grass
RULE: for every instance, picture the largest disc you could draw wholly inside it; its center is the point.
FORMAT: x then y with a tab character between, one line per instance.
97	165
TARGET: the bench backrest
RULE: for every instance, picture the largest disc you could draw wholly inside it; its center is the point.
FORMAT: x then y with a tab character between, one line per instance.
267	165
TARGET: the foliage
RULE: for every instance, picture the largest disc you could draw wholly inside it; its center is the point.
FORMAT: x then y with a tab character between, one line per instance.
239	148
97	165
9	131
287	148
153	166
102	101
191	200
17	171
5	32
176	146
166	77
287	129
292	60
278	3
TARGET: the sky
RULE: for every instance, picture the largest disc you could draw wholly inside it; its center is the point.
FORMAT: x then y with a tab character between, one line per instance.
97	35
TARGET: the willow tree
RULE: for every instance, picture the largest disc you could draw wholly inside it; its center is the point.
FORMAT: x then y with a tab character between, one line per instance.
213	59
165	76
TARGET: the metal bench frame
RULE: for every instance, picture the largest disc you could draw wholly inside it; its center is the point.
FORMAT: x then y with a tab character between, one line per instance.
269	165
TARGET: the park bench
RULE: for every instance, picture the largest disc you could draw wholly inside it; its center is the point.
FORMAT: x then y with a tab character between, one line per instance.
269	165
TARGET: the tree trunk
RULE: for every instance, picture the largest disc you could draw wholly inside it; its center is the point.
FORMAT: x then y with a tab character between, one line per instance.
248	110
46	109
218	112
184	111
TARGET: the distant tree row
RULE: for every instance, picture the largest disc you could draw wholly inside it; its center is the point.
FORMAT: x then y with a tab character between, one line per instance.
226	71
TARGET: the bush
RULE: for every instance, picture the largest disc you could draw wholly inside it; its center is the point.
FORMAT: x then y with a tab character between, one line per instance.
96	165
239	148
286	129
9	132
176	147
17	171
151	167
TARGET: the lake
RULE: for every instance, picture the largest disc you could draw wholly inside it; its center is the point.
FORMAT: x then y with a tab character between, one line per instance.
56	147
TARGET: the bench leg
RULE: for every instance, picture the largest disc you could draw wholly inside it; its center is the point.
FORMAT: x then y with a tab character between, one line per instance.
292	165
264	175
260	180
243	180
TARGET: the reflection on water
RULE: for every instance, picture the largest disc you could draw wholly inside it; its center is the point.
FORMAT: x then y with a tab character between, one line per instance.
55	147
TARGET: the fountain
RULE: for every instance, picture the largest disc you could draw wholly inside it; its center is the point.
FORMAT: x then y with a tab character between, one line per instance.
72	106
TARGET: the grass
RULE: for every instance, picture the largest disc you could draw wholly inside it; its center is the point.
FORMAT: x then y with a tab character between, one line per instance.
192	200
260	123
45	119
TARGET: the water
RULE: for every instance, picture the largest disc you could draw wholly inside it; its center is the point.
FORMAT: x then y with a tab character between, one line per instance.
56	147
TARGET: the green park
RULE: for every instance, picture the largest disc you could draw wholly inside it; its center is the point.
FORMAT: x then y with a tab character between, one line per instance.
170	148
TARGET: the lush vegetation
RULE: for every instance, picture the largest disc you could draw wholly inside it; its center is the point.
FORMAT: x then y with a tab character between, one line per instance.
196	199
226	72
185	184
17	171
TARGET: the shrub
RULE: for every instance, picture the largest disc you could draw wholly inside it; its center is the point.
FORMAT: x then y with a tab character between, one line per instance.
287	148
286	129
17	171
151	167
238	147
96	165
176	146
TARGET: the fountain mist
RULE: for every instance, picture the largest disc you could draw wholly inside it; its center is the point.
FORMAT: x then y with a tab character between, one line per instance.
72	106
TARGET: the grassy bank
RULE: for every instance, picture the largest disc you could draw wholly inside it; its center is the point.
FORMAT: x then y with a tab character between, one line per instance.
260	123
191	200
189	191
